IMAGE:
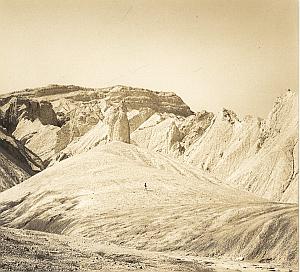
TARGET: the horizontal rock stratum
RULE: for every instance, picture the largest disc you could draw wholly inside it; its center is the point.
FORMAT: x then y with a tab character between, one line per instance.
260	156
138	168
136	98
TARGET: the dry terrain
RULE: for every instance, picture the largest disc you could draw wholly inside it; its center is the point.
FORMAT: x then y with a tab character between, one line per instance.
122	179
23	250
98	195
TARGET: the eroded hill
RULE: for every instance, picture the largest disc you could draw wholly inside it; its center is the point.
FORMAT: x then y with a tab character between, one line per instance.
250	153
100	194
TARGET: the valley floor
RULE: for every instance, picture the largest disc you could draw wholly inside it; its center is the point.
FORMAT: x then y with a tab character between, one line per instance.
27	250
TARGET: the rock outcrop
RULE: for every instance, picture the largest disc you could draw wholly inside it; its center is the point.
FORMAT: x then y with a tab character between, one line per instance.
114	124
17	163
225	135
193	127
34	123
136	98
78	110
138	117
118	124
158	101
78	121
40	139
253	154
160	133
272	170
19	108
206	174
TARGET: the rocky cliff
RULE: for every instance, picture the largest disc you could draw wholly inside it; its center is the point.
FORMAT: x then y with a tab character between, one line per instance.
136	98
252	154
17	163
118	125
49	119
18	108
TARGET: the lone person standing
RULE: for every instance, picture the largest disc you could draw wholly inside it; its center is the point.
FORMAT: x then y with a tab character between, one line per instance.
145	186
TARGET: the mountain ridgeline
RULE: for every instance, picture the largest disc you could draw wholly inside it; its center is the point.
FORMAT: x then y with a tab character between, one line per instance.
138	169
57	122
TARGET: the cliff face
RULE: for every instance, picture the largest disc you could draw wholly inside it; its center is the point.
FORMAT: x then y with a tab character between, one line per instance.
34	123
256	155
250	153
17	108
49	119
158	101
17	163
118	124
136	98
225	143
272	170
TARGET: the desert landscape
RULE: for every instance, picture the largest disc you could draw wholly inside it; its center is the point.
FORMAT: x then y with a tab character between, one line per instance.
124	178
149	135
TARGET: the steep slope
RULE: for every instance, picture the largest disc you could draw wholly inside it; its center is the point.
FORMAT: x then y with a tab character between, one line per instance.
60	115
17	163
273	171
171	134
34	123
18	108
259	156
101	194
253	154
40	139
158	133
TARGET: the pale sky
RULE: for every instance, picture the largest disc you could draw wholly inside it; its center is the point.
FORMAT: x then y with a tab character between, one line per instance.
239	54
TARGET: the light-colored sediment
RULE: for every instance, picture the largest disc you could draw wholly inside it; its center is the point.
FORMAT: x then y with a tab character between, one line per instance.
101	194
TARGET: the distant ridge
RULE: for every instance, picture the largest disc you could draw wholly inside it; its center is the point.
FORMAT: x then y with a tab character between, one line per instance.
250	153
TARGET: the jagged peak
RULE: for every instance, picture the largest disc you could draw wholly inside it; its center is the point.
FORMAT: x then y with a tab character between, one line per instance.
228	115
282	99
289	93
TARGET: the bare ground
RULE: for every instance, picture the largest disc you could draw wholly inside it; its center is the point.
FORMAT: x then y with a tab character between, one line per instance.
27	250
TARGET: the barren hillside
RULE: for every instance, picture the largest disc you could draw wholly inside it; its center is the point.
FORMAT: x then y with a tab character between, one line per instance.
98	194
253	154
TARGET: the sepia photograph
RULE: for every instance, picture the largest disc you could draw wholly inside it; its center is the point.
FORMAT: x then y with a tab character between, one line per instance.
149	135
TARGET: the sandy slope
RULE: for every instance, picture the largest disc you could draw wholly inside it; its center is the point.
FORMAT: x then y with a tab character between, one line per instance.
101	194
39	138
260	156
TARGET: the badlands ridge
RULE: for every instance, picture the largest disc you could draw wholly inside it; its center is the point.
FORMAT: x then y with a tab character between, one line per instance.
217	185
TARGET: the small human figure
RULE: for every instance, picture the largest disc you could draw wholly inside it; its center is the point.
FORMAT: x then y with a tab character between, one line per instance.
145	186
